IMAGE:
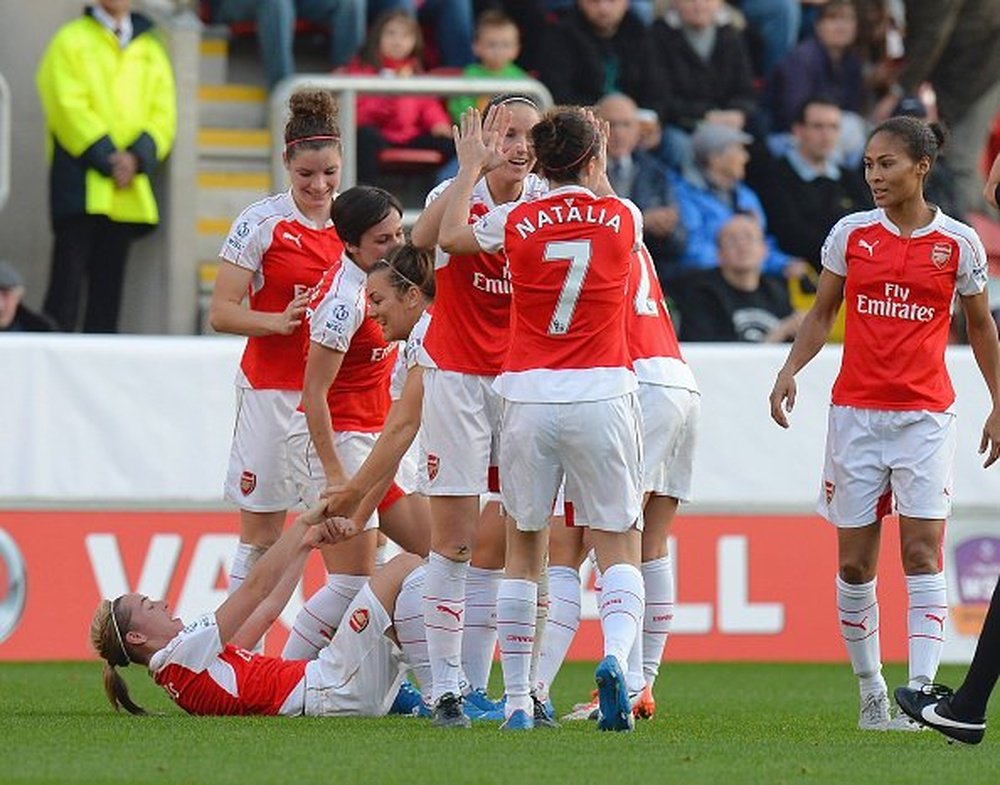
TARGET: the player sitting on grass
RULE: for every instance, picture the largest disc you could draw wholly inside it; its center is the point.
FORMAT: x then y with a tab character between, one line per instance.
206	666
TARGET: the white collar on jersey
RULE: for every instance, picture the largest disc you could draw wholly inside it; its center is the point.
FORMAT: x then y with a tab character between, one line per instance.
926	229
571	189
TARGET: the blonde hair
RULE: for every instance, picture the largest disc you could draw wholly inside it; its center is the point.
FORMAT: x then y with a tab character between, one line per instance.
108	642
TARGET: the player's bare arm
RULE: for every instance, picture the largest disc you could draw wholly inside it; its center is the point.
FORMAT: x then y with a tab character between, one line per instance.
809	339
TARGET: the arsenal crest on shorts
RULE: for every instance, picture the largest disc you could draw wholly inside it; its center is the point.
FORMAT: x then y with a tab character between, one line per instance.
940	254
359	619
828	490
433	464
248	481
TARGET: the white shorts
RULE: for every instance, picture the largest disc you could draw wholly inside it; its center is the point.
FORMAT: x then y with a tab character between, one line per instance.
460	426
352	447
359	672
873	455
259	478
669	430
595	445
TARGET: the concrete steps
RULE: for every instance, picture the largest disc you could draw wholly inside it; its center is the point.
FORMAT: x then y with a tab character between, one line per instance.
234	153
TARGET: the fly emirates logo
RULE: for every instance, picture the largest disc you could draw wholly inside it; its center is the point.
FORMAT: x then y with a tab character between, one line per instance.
500	285
894	304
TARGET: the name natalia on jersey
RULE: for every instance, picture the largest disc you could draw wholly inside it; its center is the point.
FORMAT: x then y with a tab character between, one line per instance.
570	254
287	254
898	294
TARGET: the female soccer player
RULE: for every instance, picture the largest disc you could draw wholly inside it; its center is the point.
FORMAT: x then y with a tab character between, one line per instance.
569	403
276	251
671	405
462	355
400	290
345	398
205	666
891	425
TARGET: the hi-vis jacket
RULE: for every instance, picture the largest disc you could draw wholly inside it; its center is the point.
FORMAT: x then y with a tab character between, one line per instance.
99	98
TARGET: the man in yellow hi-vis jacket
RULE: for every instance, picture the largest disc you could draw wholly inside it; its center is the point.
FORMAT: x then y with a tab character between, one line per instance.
107	91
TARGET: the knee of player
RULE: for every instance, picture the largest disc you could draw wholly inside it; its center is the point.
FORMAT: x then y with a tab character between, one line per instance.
858	570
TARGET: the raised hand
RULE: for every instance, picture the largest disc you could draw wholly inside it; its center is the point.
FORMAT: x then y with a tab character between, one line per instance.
495	128
470	148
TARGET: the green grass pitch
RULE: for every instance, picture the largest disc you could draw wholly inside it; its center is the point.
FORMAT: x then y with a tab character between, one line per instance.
720	724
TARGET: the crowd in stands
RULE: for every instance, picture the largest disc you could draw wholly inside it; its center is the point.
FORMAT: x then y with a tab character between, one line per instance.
756	107
759	108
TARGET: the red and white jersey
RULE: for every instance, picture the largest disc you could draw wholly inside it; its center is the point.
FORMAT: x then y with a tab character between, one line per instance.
570	255
652	342
203	676
338	319
472	307
408	357
898	294
287	254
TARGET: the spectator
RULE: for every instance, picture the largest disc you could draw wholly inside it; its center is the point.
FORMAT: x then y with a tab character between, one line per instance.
15	316
275	20
532	18
394	49
496	46
707	70
805	192
823	65
451	21
736	301
954	47
777	24
107	92
638	175
712	191
601	47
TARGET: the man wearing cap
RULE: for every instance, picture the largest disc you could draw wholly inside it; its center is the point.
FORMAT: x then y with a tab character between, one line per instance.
15	316
712	191
107	92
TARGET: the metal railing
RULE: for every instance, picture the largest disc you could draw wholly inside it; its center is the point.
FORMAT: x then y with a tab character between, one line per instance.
5	105
346	88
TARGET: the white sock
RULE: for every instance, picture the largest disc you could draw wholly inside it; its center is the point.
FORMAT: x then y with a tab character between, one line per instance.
319	618
408	619
634	679
560	627
857	611
245	558
622	601
541	617
479	637
444	609
516	601
925	624
658	578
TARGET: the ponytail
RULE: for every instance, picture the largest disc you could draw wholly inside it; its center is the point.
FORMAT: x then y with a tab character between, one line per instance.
108	642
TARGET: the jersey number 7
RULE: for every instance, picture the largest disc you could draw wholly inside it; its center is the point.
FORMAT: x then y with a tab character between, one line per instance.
577	253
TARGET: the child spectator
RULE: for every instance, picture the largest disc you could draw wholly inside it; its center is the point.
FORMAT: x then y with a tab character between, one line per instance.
497	44
393	49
